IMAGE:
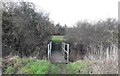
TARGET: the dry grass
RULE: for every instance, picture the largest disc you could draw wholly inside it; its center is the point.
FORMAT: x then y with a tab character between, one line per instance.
104	64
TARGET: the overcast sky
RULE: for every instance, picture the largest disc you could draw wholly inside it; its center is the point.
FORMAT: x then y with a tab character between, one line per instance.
70	11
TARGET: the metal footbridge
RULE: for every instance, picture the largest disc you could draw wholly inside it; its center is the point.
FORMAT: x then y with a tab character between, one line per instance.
58	51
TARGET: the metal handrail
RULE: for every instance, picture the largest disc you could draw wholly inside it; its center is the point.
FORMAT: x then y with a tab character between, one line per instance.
65	50
49	50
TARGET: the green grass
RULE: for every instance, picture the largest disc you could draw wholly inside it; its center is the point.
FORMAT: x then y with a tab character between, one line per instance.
37	67
77	67
10	70
57	39
34	66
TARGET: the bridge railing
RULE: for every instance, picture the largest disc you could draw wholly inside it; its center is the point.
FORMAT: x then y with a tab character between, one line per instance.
49	50
65	50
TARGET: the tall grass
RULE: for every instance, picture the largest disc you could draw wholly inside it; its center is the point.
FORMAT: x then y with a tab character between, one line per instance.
106	62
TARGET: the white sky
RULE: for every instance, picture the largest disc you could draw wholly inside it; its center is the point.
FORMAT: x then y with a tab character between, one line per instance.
70	11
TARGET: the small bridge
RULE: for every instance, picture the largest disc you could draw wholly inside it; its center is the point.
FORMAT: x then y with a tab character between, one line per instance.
58	52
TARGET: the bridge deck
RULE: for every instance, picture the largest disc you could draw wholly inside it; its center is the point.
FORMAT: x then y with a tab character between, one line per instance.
57	57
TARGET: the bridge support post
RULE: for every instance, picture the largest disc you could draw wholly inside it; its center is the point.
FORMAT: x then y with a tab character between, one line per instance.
67	52
49	50
65	49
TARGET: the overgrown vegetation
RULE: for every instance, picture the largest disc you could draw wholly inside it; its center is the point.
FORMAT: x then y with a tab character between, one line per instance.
97	38
18	65
27	31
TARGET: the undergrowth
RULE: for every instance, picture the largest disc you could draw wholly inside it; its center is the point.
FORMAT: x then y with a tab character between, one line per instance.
34	66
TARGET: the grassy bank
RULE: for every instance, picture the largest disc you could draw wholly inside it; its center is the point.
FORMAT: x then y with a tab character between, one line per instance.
16	65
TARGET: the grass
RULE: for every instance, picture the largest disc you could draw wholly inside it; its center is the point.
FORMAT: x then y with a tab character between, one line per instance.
10	70
34	66
104	63
78	67
57	39
92	64
37	67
